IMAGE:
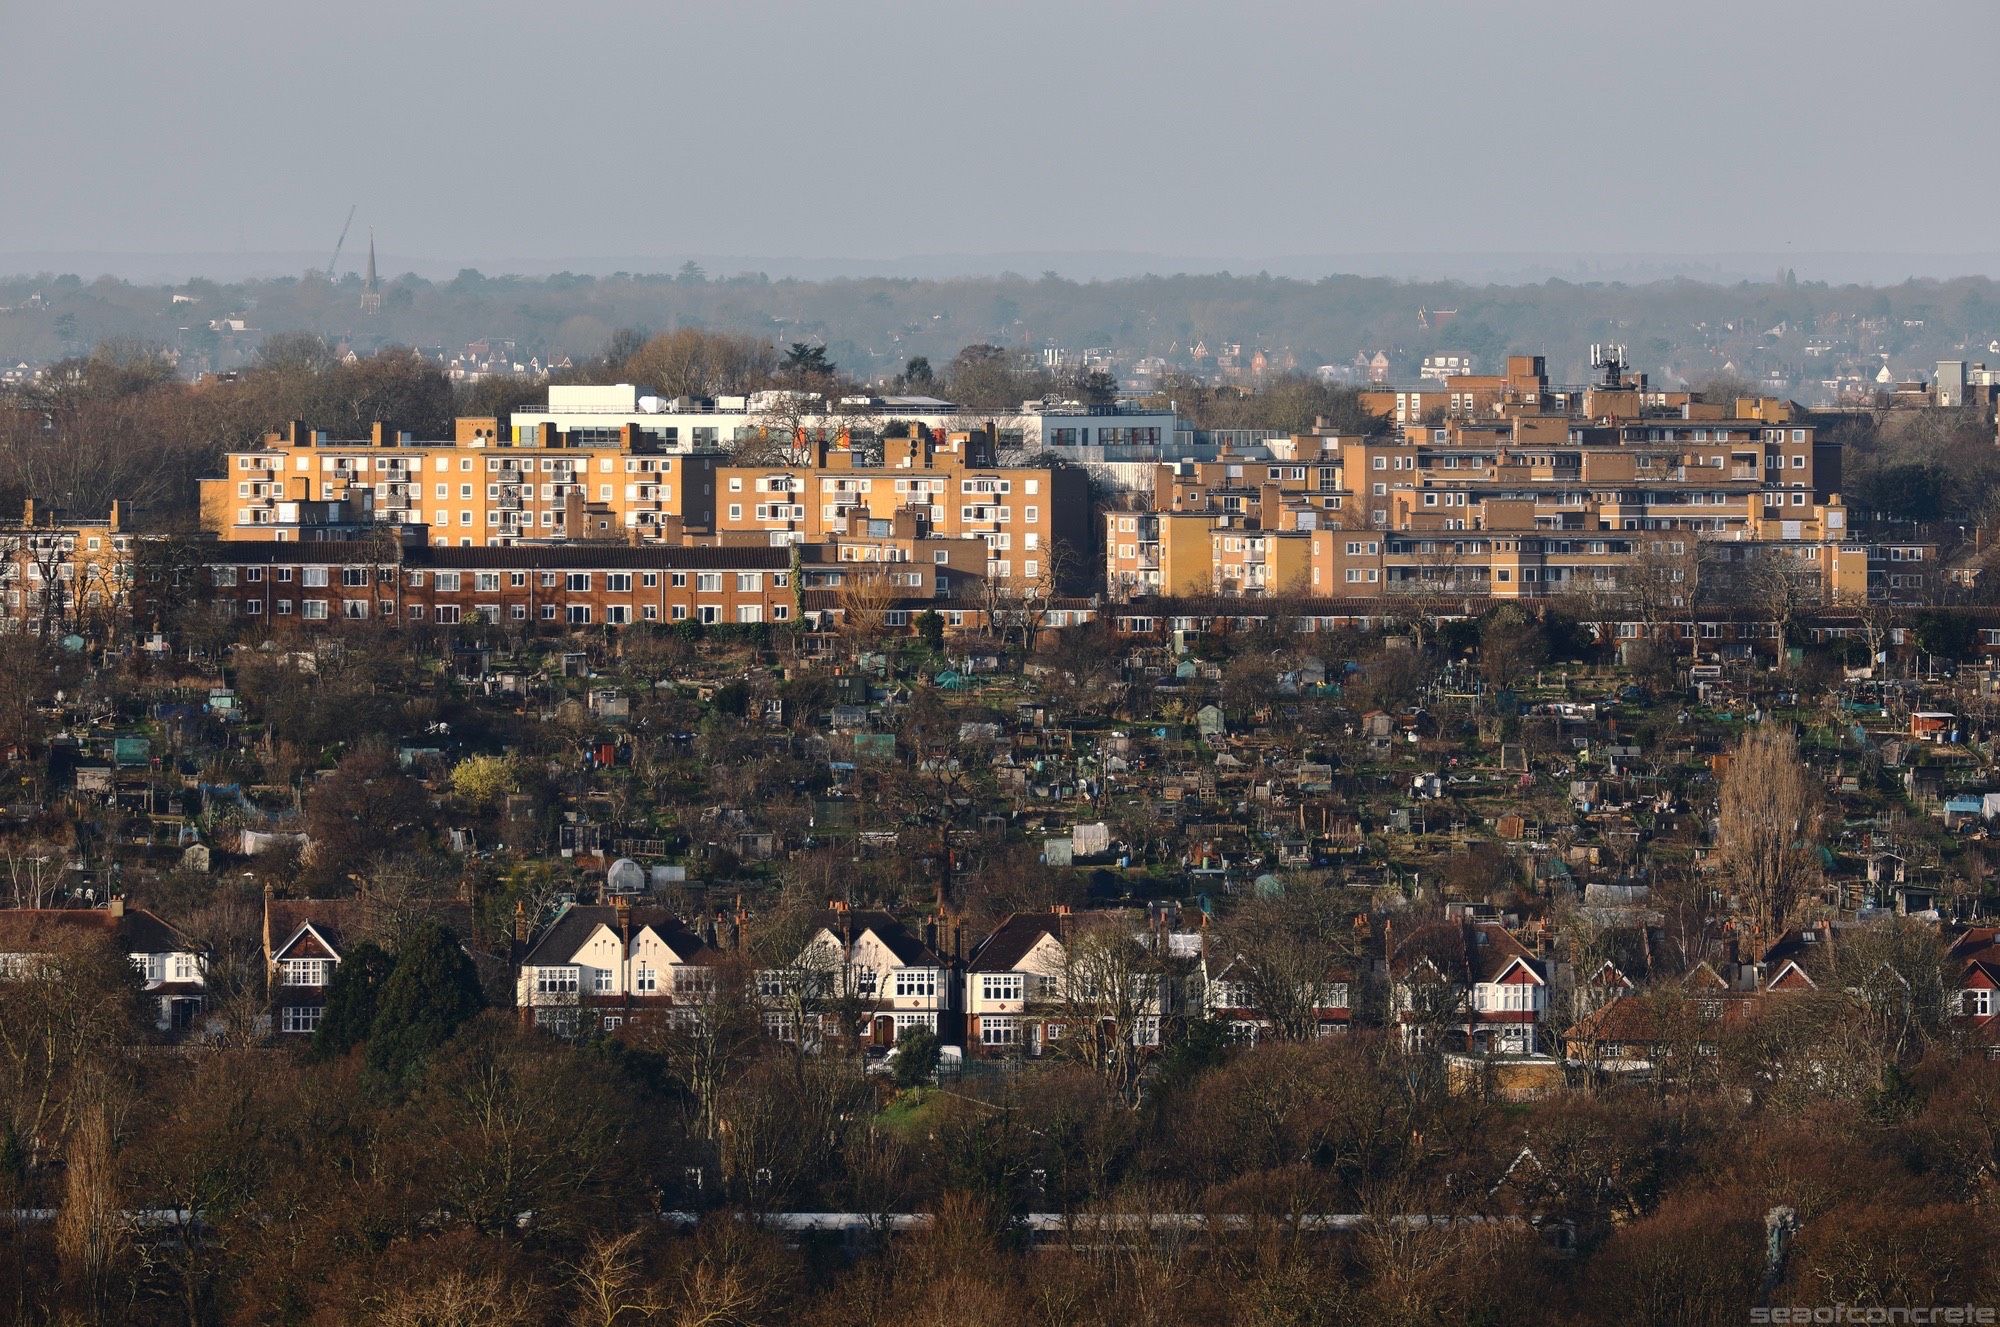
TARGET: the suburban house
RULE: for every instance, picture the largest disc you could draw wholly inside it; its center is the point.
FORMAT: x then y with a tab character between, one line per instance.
596	968
306	939
1635	1029
1019	965
172	967
890	977
1029	985
1230	998
1975	957
1468	985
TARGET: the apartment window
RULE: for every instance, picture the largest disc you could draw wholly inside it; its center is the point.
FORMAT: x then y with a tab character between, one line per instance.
913	982
447	580
447	615
579	615
618	582
709	582
313	578
646	980
578	581
313	610
678	580
305	971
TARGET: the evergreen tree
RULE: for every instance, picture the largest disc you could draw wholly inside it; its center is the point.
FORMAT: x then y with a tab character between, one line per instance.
351	998
432	990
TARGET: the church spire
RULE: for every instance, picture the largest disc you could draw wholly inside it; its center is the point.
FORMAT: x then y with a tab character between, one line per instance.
371	293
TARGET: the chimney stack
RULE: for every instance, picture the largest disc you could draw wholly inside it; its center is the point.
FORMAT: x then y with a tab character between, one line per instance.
521	926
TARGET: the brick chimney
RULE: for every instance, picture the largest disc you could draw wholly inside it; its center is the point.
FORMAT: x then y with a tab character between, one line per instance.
521	925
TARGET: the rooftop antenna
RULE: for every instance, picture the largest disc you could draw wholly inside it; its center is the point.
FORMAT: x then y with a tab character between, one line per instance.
1610	357
340	243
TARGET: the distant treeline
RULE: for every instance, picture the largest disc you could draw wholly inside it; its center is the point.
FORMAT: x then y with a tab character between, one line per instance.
1674	329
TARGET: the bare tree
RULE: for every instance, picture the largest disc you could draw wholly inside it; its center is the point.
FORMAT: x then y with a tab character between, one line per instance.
1290	951
866	595
1018	607
1770	814
1438	588
1109	997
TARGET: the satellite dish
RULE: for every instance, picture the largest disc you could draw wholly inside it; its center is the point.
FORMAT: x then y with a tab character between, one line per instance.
625	877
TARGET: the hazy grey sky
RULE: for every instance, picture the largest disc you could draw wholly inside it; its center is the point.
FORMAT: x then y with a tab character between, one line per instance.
554	129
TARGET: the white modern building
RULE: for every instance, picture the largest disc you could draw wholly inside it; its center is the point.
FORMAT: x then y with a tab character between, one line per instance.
1079	432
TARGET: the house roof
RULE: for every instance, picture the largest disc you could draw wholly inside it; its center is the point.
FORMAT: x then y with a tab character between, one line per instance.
1012	941
136	931
1641	1017
897	938
580	555
1800	941
1978	944
569	932
1468	951
341	922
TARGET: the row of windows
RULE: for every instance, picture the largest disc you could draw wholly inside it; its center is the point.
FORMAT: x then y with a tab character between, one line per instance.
317	610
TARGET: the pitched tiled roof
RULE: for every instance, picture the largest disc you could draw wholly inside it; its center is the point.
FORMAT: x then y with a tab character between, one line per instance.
588	556
1463	951
579	556
136	932
343	922
558	944
897	938
1012	940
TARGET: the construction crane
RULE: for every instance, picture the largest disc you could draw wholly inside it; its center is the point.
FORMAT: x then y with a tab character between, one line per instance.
340	243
